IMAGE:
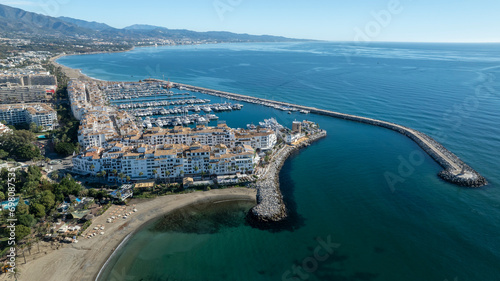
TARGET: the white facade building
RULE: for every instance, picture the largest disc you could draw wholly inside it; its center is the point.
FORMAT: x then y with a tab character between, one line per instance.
38	113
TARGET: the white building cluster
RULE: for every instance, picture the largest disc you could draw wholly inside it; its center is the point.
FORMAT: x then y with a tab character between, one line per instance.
99	123
39	113
113	142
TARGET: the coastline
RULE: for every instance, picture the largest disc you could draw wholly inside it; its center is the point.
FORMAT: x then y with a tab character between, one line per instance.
77	73
84	260
72	73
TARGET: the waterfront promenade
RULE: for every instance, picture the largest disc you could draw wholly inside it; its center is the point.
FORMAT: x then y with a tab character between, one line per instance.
455	170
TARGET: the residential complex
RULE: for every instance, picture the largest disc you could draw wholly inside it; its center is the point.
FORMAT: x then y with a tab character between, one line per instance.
113	142
99	123
19	87
39	113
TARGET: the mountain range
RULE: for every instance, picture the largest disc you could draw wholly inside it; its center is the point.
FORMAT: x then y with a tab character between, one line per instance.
18	21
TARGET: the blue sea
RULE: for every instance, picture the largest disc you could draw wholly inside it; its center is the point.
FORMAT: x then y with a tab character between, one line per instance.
350	218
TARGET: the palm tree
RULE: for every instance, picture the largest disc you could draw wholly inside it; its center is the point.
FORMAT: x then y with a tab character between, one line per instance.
128	178
28	245
23	254
121	176
155	172
141	174
103	173
114	172
92	167
196	168
38	243
167	173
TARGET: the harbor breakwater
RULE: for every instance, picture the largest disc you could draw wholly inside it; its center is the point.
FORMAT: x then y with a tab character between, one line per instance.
455	170
270	207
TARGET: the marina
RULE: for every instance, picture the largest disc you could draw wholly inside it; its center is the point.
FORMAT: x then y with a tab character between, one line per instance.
185	109
160	103
178	120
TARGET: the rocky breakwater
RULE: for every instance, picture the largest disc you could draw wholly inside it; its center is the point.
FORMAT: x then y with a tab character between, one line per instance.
460	173
270	207
455	170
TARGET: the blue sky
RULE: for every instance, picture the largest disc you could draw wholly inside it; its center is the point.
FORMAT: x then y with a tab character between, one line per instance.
335	20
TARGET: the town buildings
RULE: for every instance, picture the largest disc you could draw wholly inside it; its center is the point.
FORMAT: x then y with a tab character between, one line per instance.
39	113
114	144
15	87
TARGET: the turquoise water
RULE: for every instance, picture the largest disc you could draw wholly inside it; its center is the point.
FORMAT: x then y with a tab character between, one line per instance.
418	229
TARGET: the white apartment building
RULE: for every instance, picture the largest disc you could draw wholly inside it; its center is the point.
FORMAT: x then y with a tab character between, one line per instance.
170	161
263	139
38	113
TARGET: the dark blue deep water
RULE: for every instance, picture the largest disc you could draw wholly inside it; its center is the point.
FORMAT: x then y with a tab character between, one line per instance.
419	228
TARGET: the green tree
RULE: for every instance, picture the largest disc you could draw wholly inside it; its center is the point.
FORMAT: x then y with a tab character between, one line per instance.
65	148
22	208
27	152
167	173
38	210
3	154
48	199
2	196
27	220
33	127
21	232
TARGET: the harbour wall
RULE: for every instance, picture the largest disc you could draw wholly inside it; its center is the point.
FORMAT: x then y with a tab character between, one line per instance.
270	207
455	170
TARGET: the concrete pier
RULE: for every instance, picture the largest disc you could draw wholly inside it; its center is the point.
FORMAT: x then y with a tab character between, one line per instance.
455	170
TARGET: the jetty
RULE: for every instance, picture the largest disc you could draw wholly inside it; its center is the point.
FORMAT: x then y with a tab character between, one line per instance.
270	207
455	170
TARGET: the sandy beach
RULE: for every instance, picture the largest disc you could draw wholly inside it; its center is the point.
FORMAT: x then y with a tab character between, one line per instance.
83	260
70	72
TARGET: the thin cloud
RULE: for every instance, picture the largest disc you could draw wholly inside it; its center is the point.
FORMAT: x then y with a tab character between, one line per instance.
19	3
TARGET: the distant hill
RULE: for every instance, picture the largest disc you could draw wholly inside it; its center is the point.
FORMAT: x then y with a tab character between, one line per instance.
17	20
142	27
86	24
